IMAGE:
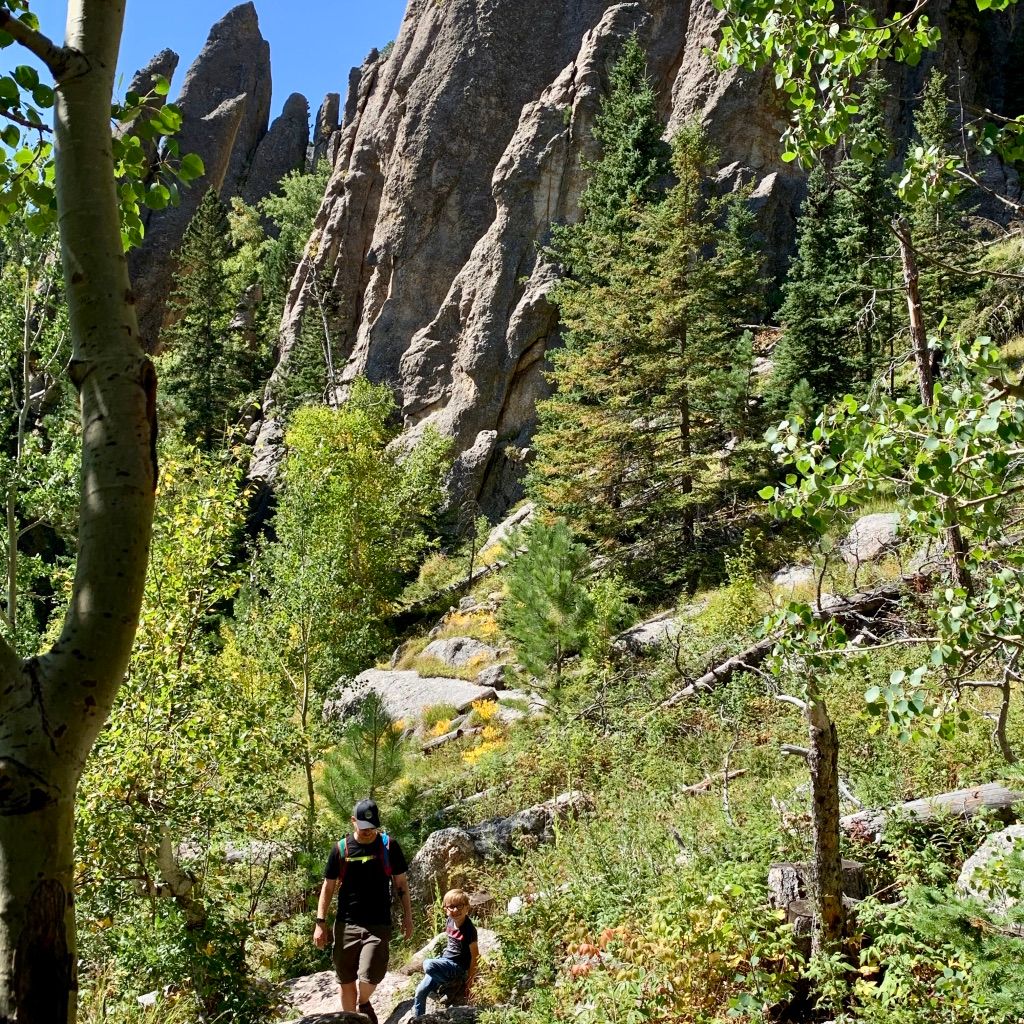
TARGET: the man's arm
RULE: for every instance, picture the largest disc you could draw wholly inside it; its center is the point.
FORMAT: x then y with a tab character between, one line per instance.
322	907
402	885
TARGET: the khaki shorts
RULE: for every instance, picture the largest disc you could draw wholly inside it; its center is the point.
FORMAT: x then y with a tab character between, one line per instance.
361	954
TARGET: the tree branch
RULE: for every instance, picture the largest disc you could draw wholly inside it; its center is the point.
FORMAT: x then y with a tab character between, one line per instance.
24	121
795	701
934	261
705	784
795	751
61	60
843	609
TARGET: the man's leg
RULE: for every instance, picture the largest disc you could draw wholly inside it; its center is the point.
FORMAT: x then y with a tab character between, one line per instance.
373	965
347	948
349	996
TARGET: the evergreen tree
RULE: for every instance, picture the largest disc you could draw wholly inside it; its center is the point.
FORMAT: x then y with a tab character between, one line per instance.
653	376
547	608
944	242
291	212
838	314
312	374
369	761
866	205
204	368
634	159
812	357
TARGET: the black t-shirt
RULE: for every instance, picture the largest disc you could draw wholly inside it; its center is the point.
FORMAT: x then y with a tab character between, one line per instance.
364	897
460	938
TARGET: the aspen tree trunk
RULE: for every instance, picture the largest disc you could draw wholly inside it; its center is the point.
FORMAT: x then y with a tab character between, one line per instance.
307	751
52	707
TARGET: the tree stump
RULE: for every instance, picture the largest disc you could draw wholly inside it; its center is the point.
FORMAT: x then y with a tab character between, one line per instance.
789	882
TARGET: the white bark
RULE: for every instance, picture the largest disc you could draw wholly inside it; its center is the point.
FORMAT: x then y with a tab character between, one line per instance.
52	707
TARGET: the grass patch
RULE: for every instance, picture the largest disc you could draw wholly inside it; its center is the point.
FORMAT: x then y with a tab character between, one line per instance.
436	668
480	625
436	713
1013	351
411	650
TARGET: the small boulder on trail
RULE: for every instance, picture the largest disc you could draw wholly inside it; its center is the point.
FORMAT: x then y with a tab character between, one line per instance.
333	1017
315	998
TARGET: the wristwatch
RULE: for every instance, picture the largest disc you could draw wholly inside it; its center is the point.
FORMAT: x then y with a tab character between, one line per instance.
321	920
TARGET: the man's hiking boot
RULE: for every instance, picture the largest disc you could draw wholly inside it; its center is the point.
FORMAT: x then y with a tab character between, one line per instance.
367	1009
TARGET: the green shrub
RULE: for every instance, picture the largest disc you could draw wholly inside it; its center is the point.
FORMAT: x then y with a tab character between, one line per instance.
932	959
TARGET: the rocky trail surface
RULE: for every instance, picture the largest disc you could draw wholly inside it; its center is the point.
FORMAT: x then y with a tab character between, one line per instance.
315	997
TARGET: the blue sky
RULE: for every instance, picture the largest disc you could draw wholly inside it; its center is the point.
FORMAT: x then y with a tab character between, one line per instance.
313	43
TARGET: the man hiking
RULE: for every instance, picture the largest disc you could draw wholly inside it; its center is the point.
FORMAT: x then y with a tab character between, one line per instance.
363	867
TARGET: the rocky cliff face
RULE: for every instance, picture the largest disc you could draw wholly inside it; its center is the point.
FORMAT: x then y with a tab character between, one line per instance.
454	156
225	105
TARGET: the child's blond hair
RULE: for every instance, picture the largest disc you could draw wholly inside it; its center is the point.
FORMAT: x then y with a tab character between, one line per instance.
455	898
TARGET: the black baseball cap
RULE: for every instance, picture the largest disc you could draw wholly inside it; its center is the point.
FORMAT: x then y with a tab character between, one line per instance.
366	814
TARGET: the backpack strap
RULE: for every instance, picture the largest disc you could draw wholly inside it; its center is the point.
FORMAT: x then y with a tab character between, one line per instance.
343	851
383	855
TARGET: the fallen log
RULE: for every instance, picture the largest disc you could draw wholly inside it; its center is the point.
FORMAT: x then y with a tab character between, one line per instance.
705	784
449	737
752	657
848	611
962	803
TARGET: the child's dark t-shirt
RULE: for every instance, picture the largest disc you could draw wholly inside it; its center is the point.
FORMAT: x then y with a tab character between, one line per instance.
460	938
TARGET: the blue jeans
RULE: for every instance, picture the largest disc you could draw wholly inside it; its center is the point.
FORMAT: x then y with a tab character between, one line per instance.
436	974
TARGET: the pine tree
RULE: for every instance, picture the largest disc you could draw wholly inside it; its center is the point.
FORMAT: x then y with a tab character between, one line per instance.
369	760
813	355
547	608
652	378
634	159
838	315
313	372
943	240
204	368
866	205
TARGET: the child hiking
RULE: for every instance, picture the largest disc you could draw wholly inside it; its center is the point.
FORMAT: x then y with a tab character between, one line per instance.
457	964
